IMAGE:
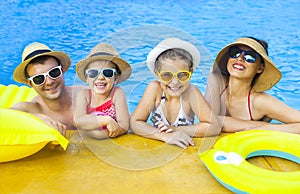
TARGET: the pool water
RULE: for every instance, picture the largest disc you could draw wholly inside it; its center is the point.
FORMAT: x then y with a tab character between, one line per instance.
135	27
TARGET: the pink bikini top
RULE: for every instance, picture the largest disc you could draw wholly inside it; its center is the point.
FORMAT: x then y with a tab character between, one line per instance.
105	109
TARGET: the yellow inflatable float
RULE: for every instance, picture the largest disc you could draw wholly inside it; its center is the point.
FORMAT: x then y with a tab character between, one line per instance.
22	134
227	161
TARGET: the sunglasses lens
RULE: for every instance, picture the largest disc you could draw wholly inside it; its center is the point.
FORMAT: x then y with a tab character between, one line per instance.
166	76
55	73
234	52
250	56
108	73
38	80
183	76
92	73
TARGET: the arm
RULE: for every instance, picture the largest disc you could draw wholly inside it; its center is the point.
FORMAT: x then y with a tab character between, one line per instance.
276	109
88	122
34	109
209	125
139	125
122	114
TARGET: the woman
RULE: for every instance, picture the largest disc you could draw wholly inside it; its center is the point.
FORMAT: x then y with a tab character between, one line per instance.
235	89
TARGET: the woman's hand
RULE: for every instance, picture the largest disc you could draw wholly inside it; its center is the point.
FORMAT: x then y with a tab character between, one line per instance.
178	138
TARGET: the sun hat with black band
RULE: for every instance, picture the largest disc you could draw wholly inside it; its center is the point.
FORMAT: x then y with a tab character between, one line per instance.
33	51
266	80
172	43
104	51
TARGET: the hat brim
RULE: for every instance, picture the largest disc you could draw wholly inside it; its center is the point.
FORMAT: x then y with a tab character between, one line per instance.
124	67
266	80
19	73
172	43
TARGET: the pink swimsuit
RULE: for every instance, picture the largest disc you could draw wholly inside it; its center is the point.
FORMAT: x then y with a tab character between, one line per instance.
105	109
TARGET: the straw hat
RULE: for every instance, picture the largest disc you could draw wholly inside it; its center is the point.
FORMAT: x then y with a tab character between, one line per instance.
172	43
35	50
104	51
266	80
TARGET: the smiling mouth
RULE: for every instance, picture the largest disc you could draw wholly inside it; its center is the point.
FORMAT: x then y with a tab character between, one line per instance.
100	85
174	89
54	88
238	66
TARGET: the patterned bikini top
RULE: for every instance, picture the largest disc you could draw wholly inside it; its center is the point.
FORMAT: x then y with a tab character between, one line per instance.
182	118
105	109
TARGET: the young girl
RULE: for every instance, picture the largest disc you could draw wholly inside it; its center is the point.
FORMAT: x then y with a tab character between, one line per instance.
101	111
241	74
172	99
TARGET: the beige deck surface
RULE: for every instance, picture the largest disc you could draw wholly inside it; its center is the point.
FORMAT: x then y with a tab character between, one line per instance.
127	164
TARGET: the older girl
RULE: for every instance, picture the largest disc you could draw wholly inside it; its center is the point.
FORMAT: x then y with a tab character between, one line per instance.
172	100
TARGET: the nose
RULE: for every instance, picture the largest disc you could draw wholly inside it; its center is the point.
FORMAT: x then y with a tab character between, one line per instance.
174	80
241	57
48	80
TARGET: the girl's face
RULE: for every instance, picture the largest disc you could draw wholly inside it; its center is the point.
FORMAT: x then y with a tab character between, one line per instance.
241	65
174	75
106	78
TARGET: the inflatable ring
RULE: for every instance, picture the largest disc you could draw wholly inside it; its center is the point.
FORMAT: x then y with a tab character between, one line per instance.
227	161
22	134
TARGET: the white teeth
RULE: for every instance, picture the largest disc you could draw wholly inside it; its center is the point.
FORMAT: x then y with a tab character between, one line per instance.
239	67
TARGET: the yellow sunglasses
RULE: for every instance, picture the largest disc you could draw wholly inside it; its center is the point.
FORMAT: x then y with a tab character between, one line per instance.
168	76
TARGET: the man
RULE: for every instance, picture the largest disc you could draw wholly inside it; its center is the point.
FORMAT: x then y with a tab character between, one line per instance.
43	70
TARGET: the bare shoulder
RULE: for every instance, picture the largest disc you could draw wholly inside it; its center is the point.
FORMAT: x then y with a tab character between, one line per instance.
192	91
31	107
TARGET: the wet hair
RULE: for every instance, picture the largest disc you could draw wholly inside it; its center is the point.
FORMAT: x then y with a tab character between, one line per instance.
40	60
175	53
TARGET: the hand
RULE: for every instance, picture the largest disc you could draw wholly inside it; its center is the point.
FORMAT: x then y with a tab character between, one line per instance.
113	127
178	138
59	126
163	128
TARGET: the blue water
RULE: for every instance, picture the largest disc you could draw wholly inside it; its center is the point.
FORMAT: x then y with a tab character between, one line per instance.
134	27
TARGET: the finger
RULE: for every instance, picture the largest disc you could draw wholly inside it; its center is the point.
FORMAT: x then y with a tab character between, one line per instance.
169	130
163	129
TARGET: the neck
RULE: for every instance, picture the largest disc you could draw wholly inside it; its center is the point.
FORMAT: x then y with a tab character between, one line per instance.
62	103
238	87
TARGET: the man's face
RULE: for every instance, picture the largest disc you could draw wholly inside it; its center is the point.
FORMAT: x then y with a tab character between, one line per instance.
50	89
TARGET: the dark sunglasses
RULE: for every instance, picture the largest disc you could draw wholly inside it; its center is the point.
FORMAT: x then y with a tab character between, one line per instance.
40	79
249	55
106	72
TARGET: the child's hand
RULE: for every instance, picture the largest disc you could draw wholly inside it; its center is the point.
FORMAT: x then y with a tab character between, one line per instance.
162	128
178	138
113	127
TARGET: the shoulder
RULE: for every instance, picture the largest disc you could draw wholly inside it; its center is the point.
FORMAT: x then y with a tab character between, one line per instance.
118	91
154	85
263	101
30	107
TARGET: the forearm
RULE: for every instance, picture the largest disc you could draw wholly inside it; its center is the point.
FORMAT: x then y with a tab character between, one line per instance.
291	128
200	129
90	122
144	129
230	124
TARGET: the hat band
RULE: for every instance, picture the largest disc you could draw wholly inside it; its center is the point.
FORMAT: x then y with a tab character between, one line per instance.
37	52
101	53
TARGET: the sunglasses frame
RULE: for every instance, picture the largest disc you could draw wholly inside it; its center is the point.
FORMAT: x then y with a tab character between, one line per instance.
46	74
245	53
100	71
175	74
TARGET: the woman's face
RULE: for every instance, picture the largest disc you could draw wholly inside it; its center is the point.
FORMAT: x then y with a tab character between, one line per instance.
174	75
101	84
241	67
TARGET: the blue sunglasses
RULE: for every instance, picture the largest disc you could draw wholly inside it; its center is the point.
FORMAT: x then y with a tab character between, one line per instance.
249	55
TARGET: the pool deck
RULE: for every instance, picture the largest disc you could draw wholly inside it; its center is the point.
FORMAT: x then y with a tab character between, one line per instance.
79	170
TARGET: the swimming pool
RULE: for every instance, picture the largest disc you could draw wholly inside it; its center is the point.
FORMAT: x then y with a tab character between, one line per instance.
76	26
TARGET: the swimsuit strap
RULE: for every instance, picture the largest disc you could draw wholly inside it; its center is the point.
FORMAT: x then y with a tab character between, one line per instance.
224	90
249	108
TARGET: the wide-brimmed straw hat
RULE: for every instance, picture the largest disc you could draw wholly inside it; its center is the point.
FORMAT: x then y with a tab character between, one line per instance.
172	43
266	80
35	50
104	51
